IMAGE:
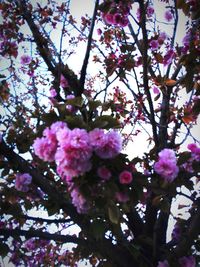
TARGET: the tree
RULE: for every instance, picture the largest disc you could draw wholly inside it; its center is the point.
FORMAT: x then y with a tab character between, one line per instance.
65	132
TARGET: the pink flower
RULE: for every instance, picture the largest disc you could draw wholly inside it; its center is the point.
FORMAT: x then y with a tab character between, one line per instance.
110	146
25	60
150	11
45	147
63	82
104	173
166	165
22	181
156	90
79	201
109	18
187	261
168	57
124	21
168	15
74	152
97	138
125	177
163	263
154	44
121	197
53	92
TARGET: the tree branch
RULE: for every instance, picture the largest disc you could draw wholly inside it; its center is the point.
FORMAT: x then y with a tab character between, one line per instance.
43	235
87	54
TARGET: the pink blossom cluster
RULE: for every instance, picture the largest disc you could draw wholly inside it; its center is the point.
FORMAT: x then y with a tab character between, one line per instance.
195	156
22	181
117	14
72	149
166	165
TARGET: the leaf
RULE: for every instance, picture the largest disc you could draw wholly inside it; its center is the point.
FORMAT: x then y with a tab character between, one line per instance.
94	104
156	201
4	249
187	119
183	157
158	57
114	213
105	122
170	82
77	101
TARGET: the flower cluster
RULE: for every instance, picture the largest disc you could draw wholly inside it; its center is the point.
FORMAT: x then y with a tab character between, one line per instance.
166	165
72	151
195	156
117	14
22	181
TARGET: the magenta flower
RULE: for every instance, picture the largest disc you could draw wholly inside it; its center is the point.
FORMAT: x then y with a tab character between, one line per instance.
168	15
168	57
154	44
25	60
45	148
163	263
109	18
74	152
125	177
187	261
104	173
150	11
166	165
53	92
22	181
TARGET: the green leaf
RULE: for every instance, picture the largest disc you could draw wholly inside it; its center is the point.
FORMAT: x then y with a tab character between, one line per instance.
184	157
77	101
105	122
4	249
114	213
94	104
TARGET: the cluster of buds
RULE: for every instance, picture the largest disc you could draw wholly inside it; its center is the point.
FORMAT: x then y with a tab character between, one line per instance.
117	13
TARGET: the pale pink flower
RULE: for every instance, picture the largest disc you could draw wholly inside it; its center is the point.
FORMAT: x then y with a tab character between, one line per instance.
70	107
166	165
79	201
25	60
168	15
121	197
97	138
187	261
104	173
22	181
110	146
45	149
125	177
163	264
